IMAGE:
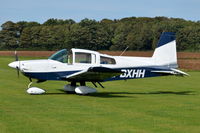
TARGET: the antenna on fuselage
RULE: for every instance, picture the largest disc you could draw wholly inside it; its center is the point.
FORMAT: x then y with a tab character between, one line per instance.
124	51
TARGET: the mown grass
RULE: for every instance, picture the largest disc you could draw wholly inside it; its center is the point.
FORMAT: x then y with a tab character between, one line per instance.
152	105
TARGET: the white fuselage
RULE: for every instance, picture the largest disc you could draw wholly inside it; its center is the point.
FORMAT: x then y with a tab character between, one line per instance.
56	66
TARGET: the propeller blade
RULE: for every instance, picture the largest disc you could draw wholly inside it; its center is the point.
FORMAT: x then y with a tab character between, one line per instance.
17	59
16	56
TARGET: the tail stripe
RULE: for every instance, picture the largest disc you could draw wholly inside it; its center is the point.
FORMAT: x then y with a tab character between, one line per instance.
165	38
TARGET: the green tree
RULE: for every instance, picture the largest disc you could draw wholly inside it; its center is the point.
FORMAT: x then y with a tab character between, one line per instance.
140	33
10	35
53	21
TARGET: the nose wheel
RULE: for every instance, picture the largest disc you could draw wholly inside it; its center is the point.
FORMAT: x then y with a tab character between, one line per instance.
34	90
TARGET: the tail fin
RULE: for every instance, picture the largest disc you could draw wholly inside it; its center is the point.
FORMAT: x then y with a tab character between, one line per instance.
165	53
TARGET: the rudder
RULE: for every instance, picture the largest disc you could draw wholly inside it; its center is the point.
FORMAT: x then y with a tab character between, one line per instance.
165	52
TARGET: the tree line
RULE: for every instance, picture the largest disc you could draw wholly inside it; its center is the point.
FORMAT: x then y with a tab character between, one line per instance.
137	33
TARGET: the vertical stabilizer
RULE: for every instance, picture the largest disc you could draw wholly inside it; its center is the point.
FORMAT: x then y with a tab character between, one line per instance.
165	53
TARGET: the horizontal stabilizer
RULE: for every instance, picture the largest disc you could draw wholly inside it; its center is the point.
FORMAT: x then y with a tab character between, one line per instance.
179	72
172	71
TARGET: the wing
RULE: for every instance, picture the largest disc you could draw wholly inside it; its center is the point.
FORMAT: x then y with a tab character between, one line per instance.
95	74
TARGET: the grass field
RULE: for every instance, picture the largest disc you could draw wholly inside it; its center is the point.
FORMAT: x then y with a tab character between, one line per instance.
152	105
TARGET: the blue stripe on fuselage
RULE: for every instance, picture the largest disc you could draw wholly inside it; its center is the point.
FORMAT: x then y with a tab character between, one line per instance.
49	75
138	72
128	73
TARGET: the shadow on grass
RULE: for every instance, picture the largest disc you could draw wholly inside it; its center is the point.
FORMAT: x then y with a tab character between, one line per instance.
98	94
62	92
112	95
125	94
167	92
130	94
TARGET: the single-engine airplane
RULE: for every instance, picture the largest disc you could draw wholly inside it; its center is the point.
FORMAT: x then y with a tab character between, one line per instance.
81	66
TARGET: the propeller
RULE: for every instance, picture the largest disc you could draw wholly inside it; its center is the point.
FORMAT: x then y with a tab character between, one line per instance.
18	67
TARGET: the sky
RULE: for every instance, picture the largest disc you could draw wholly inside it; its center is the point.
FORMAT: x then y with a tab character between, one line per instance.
42	10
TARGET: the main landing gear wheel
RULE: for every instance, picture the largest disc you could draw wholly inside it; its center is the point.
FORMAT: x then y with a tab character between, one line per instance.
82	89
69	89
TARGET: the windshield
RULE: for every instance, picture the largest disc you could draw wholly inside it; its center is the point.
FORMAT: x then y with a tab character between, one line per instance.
60	56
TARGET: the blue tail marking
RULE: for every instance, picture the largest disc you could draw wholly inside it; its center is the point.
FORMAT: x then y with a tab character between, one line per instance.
165	38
